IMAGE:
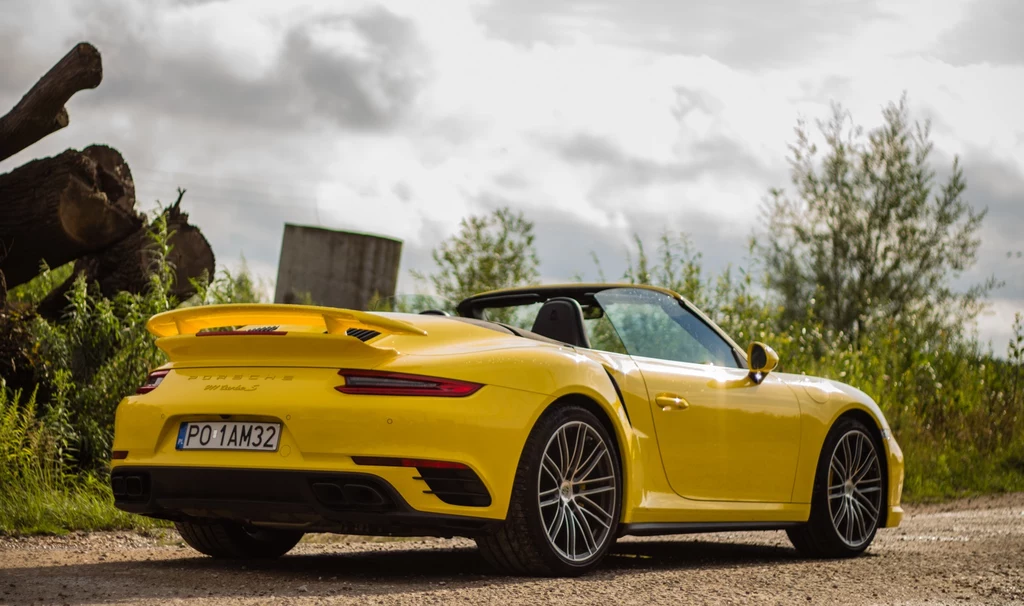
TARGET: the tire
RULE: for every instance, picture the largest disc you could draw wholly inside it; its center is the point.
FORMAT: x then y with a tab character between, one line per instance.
232	540
847	505
585	502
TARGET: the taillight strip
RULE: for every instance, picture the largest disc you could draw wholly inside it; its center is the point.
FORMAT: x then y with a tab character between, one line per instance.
382	383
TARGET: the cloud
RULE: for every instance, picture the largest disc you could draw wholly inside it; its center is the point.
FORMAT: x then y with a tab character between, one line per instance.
358	71
996	185
597	119
716	156
989	34
737	32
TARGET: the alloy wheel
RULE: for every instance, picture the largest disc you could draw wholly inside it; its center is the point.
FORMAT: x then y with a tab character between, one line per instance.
855	488
577	485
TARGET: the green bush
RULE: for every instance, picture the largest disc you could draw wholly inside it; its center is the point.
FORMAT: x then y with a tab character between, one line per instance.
54	453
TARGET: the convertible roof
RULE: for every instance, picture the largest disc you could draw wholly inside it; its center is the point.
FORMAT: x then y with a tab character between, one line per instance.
524	295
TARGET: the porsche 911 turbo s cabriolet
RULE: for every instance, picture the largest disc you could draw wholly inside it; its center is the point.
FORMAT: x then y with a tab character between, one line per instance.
543	422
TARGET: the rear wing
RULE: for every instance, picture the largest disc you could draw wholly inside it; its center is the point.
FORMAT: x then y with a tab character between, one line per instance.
191	320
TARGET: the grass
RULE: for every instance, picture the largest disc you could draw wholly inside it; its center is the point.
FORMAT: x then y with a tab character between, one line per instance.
952	472
40	495
85	504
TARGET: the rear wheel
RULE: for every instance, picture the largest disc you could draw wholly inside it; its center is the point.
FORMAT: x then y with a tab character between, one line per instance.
226	539
564	511
849	495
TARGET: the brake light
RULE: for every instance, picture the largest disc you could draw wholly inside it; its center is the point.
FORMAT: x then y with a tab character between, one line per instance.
239	333
152	381
378	383
402	462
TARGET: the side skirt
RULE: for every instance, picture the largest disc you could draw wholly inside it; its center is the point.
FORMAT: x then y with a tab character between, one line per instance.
647	529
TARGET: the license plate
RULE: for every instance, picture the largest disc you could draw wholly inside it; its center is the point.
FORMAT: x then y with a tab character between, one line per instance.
228	435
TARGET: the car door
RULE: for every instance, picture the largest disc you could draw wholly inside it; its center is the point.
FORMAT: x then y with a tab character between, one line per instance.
722	436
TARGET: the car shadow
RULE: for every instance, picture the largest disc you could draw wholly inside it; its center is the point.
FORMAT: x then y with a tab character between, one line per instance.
371	572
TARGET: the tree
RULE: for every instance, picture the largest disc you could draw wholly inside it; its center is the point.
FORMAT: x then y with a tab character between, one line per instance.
489	252
867	234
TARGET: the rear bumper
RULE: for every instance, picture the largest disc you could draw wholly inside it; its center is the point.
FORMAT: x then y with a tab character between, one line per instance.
322	429
313	501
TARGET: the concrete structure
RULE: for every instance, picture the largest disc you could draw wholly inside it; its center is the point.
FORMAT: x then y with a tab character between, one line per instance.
336	268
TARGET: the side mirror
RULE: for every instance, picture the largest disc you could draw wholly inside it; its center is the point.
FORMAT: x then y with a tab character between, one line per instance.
762	360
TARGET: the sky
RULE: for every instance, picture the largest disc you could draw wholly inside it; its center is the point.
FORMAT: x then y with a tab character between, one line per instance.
597	119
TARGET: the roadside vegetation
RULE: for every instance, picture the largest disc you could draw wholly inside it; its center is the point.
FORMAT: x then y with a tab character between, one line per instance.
857	277
55	442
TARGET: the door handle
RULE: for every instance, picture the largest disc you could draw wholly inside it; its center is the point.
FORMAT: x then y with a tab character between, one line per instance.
670	401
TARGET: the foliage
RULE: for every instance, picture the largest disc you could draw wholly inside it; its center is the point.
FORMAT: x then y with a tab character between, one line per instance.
53	453
867	237
232	287
489	252
411	304
101	351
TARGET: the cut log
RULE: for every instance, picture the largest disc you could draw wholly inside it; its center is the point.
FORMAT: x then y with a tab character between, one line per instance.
60	208
128	264
41	111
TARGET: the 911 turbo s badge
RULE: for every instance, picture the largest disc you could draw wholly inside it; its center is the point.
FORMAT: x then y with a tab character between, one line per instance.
230	388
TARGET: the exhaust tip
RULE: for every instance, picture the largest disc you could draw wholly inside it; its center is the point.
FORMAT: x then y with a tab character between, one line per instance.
133	486
329	493
363	494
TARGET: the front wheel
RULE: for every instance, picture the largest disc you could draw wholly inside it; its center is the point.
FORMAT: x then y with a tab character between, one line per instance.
564	510
226	539
849	495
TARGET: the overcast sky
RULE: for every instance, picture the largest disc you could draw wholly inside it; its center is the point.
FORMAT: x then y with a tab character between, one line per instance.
597	118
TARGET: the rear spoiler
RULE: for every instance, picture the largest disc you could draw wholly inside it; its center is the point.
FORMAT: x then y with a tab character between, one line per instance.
190	320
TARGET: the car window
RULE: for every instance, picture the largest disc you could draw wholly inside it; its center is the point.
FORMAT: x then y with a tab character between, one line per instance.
600	332
654	325
518	316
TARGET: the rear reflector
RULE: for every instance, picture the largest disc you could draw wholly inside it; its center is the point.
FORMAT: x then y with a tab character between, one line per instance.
377	383
400	462
119	454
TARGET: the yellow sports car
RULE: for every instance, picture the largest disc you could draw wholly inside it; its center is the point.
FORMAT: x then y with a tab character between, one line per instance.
620	410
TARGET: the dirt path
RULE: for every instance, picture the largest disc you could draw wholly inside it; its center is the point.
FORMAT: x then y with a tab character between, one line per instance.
968	552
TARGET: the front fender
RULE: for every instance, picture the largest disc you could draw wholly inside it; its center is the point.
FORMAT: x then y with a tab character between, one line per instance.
822	402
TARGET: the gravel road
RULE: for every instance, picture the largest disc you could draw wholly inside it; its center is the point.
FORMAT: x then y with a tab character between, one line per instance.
966	552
